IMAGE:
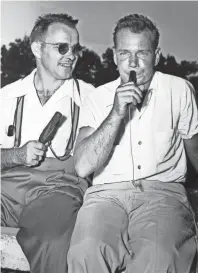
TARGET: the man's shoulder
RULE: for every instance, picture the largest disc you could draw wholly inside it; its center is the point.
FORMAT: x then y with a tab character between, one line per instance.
103	95
109	86
15	89
174	81
85	88
11	90
106	90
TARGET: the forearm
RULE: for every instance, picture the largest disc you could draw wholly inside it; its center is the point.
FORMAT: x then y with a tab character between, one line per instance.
11	158
93	151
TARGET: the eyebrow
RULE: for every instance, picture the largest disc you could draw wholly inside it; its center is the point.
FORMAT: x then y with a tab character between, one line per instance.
128	50
60	43
122	50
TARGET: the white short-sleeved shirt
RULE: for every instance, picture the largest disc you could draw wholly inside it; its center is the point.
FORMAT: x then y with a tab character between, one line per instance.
36	116
152	145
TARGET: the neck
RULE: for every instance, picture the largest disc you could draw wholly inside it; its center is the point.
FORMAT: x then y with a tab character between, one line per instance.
45	82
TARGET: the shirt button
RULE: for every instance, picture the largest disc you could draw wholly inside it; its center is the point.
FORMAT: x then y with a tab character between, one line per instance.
139	142
139	167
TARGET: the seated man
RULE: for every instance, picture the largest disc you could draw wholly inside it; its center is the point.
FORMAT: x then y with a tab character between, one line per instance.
134	134
40	192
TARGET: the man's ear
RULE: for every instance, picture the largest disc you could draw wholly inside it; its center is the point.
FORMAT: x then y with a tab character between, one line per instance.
36	49
157	56
114	56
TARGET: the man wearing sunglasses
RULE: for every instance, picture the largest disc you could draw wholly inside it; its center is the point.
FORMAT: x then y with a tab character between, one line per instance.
40	192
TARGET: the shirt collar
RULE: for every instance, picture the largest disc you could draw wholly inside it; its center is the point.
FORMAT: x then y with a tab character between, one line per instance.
23	87
154	82
68	89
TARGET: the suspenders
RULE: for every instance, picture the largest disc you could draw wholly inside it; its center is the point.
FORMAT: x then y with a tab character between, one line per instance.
74	118
18	121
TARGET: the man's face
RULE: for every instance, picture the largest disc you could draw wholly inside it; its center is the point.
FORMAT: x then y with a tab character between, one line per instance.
134	51
59	66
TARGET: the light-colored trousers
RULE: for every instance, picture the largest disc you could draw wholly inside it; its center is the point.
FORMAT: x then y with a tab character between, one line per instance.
120	228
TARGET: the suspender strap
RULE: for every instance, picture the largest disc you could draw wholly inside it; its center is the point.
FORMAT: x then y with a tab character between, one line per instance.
75	119
18	121
72	138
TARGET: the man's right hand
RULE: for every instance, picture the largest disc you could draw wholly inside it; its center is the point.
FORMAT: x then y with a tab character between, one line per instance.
126	94
32	153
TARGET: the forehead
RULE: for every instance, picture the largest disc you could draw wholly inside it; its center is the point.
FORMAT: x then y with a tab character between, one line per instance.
125	39
61	33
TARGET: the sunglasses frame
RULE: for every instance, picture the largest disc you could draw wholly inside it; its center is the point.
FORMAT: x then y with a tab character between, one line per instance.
67	46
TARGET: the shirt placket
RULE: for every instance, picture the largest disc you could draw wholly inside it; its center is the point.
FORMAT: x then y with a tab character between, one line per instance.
137	137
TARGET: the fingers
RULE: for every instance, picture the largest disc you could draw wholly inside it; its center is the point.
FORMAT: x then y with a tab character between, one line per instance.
39	146
35	151
126	94
37	157
34	162
39	152
130	87
130	96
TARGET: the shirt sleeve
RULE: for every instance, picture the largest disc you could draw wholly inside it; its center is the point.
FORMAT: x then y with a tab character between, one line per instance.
188	121
87	116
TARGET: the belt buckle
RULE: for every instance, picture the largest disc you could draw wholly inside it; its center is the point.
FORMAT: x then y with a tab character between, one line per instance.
138	185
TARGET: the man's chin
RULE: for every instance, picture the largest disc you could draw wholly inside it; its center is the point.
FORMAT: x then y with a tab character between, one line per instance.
65	76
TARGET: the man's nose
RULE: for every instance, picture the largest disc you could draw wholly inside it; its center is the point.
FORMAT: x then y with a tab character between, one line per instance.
70	54
133	60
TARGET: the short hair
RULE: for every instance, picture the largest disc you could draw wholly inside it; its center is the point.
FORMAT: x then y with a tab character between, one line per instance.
43	22
137	23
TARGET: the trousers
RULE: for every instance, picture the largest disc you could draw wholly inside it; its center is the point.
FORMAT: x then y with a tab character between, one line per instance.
147	229
44	204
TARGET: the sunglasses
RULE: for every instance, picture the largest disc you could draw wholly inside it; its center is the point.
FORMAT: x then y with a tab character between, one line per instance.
63	48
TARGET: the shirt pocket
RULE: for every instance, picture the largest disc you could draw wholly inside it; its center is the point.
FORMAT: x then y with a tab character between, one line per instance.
164	144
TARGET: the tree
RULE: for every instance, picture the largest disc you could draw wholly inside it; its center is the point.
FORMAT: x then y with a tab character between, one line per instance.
17	61
88	67
109	71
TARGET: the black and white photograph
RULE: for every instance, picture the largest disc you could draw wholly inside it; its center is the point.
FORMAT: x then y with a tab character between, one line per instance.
99	136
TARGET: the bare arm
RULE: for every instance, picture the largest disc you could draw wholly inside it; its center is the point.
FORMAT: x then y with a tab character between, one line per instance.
191	146
29	154
93	147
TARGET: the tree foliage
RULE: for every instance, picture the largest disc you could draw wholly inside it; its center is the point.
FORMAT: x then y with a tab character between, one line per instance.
17	60
88	67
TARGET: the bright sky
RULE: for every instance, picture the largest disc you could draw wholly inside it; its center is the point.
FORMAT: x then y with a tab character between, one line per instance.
177	21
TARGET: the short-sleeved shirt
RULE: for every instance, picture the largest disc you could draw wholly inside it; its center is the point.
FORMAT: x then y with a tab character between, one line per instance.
151	146
35	115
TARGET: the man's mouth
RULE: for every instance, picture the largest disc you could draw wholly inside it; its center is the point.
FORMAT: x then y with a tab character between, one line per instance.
68	64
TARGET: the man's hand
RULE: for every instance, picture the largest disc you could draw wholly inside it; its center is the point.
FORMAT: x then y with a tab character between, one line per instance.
127	93
32	153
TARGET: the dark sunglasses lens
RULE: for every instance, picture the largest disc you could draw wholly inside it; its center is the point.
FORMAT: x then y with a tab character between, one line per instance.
77	49
63	48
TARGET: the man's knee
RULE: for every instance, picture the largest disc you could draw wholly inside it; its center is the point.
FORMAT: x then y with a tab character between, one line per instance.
90	247
49	217
163	257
